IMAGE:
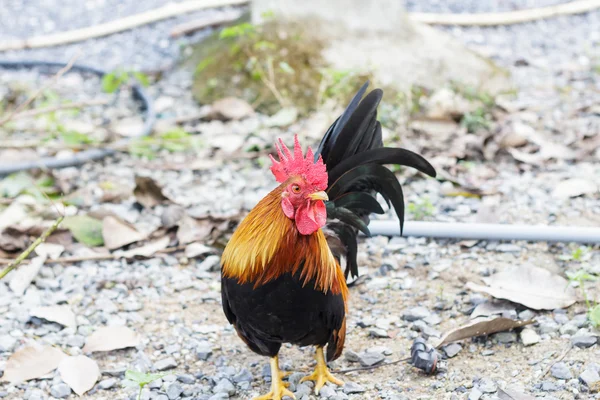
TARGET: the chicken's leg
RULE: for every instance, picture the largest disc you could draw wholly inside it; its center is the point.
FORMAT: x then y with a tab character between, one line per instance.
321	374
278	386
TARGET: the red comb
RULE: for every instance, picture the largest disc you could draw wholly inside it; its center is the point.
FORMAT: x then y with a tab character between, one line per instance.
314	173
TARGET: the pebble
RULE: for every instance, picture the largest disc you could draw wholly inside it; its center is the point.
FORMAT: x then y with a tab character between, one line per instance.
7	343
591	378
107	383
165	364
351	388
60	390
224	386
475	394
560	370
506	337
368	359
487	386
327	392
452	349
174	391
243	376
415	313
584	341
529	337
203	351
186	378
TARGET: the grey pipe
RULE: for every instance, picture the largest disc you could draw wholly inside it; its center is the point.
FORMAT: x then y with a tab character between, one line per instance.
454	230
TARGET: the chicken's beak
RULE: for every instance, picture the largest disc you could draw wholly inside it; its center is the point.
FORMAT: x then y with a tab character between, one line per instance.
318	196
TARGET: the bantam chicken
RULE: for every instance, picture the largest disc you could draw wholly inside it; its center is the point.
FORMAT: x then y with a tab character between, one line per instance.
282	280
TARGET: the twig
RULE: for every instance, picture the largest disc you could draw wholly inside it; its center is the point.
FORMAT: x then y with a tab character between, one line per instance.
194	26
344	371
118	25
31	98
507	18
58	107
32	247
559	359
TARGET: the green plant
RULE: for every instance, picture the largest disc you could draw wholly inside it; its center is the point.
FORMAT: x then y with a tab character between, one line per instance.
476	120
576	255
140	379
176	140
112	81
581	277
420	210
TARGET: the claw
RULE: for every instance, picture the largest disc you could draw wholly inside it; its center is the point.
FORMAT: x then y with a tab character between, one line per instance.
278	387
321	374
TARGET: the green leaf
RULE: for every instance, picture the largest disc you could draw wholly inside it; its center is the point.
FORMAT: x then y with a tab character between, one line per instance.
141	378
285	67
581	276
74	138
203	64
594	315
111	82
86	230
14	184
141	78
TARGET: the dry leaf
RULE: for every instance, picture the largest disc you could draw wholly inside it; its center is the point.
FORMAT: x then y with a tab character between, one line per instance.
32	362
481	327
533	287
59	314
22	277
147	250
192	230
117	233
147	192
13	214
79	372
573	188
13	240
111	338
510	394
230	108
50	250
197	249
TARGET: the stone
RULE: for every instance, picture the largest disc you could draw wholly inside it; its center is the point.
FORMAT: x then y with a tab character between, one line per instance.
568	329
415	313
351	388
475	394
487	386
326	392
60	390
367	359
584	341
506	337
560	370
452	349
591	378
224	386
165	364
529	337
107	383
243	376
7	343
186	378
203	351
174	391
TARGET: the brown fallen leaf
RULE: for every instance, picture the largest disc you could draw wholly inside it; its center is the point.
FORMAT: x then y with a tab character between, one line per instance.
117	233
574	187
481	327
59	314
147	192
111	338
13	240
193	230
147	250
32	362
533	287
80	373
511	394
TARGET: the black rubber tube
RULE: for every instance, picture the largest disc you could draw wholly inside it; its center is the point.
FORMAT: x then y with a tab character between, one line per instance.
82	157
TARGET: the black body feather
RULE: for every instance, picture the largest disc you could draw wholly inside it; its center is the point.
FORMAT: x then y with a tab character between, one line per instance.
352	149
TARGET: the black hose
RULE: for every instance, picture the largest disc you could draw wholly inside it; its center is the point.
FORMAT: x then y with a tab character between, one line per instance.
139	94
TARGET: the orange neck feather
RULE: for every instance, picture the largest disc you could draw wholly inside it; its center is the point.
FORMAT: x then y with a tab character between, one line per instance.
267	244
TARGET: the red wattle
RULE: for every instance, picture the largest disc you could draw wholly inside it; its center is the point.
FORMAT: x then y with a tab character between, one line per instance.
311	216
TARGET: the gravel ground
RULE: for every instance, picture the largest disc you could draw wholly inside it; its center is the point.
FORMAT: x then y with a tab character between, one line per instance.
413	286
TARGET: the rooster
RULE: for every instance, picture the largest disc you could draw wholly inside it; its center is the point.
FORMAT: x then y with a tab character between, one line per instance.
282	280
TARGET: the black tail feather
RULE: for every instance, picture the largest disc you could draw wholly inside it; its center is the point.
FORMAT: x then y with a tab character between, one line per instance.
352	149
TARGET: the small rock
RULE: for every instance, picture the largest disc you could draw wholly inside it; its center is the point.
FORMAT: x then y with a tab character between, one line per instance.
224	386
487	386
243	376
568	329
107	383
548	386
378	333
584	341
452	349
7	343
204	351
326	392
186	378
560	370
415	314
174	391
231	108
526	315
351	387
508	248
529	337
591	378
368	359
210	263
475	394
60	390
165	364
506	337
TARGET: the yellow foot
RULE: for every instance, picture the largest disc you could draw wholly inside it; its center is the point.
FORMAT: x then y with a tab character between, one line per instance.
278	386
321	374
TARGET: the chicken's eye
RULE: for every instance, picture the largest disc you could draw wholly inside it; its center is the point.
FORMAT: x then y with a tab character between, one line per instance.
295	188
